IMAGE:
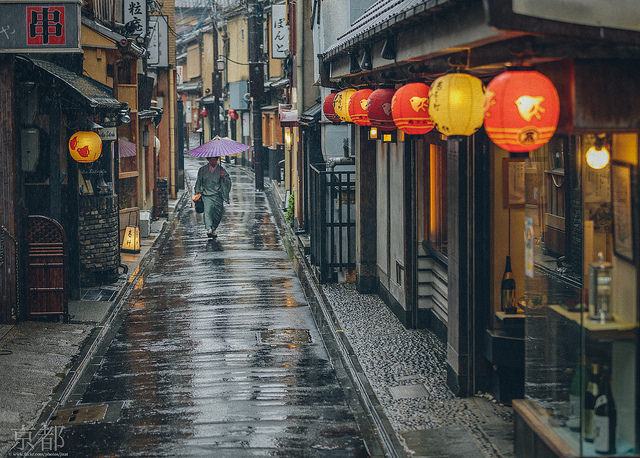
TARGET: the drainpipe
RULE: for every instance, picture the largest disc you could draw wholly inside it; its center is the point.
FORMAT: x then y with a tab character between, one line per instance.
345	160
172	131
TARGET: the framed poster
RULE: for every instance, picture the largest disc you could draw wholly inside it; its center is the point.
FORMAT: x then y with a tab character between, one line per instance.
513	189
621	204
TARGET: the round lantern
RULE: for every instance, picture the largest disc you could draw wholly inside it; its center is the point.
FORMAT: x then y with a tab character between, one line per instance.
358	107
410	109
204	113
341	104
522	110
85	146
456	104
328	110
379	109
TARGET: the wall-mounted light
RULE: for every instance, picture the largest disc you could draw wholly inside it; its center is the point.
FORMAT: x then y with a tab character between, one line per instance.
220	64
287	137
388	137
145	138
373	133
598	155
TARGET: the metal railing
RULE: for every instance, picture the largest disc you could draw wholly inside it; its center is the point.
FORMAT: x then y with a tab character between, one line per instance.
332	224
9	293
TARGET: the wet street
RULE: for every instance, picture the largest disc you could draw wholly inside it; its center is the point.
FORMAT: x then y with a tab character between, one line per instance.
216	352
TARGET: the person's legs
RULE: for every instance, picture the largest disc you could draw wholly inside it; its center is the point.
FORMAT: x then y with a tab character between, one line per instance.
209	209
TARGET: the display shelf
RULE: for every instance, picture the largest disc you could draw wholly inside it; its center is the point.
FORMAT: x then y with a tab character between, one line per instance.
615	329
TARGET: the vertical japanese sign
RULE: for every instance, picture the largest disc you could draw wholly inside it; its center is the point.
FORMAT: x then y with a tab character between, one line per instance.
42	27
180	74
159	42
135	16
529	236
279	32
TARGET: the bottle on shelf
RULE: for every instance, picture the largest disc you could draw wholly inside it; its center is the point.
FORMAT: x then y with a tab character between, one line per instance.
590	396
605	419
508	290
578	384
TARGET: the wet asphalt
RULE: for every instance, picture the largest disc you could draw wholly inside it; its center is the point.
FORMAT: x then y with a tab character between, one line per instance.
215	353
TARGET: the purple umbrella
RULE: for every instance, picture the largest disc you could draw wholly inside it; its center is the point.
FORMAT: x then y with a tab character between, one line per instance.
219	147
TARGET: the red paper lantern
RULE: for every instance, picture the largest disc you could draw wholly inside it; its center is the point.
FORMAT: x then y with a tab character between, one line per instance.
233	114
204	113
328	110
379	109
410	109
522	110
358	107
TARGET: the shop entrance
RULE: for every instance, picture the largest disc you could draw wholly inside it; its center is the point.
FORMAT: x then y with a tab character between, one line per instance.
46	267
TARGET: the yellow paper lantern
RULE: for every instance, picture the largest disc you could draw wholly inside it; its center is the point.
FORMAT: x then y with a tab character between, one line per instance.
85	146
456	104
341	104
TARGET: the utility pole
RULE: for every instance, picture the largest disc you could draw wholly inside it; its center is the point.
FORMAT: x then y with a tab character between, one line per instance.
216	84
256	85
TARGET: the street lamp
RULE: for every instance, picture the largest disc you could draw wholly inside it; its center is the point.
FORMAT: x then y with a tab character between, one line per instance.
220	64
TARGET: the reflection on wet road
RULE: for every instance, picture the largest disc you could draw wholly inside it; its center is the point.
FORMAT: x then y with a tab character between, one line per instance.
217	353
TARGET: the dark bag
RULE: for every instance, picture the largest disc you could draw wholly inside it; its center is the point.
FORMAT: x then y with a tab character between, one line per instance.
200	205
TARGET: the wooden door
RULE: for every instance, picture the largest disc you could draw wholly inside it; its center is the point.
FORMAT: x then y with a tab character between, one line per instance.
46	267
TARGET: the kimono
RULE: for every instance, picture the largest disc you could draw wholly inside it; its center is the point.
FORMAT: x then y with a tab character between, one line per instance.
215	190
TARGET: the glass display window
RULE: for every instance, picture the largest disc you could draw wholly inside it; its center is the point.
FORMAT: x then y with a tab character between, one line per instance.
581	292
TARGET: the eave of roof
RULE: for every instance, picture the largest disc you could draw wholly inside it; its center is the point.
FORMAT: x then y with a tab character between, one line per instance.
379	18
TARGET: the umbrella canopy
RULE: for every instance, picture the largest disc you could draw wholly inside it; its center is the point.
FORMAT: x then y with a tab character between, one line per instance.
219	147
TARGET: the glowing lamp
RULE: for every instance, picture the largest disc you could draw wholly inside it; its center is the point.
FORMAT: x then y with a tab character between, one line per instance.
373	133
410	109
204	113
287	137
522	110
328	110
358	107
85	146
379	109
341	104
456	104
598	155
131	240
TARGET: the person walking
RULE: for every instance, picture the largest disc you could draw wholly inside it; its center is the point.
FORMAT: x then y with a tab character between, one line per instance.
212	186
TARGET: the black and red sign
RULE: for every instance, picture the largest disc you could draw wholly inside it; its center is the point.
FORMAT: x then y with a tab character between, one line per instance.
45	25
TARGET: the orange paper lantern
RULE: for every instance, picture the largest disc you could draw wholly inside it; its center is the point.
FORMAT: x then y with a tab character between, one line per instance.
328	110
379	109
358	107
85	146
410	109
522	110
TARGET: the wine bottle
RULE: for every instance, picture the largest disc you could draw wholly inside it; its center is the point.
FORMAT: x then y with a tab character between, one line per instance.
589	403
578	382
604	419
508	289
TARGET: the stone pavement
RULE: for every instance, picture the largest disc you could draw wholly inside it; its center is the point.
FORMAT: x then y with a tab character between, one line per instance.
403	372
39	358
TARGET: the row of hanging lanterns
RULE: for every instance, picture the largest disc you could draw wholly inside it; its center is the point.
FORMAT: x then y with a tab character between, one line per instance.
519	108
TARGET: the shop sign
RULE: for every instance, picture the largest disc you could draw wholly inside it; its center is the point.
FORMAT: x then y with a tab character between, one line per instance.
279	32
528	246
135	16
180	73
159	42
108	133
625	15
44	27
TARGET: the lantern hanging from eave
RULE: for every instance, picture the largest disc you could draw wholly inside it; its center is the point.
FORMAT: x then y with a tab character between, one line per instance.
522	110
341	104
328	110
379	109
456	104
358	107
85	146
410	109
